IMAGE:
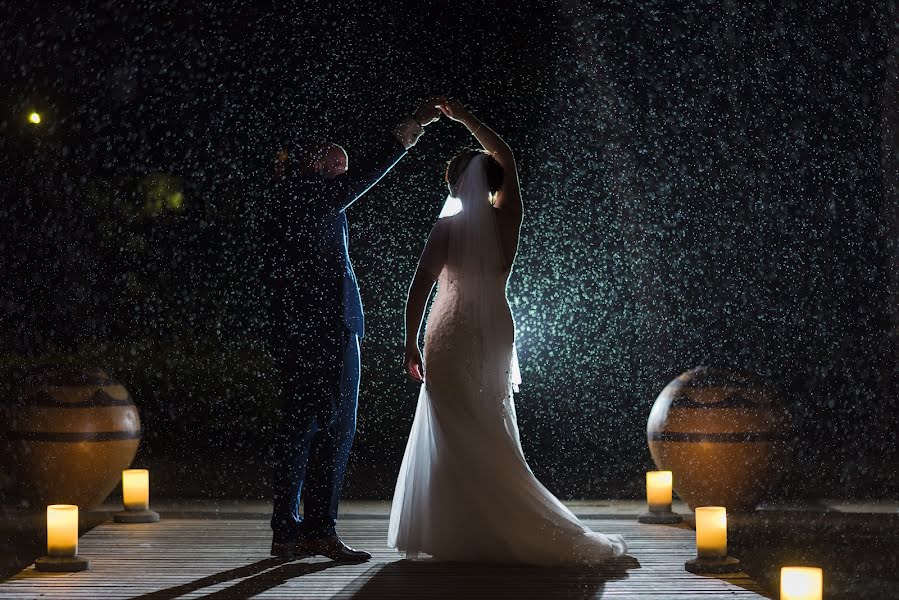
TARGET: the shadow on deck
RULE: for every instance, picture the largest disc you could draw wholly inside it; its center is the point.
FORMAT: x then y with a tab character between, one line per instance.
227	558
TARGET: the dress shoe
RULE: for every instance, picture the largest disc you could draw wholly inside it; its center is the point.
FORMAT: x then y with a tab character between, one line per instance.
334	548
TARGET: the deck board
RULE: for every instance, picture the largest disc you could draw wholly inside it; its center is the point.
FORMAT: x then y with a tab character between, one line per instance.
228	559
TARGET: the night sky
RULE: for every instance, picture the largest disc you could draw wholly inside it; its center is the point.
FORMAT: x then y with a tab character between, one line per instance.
702	183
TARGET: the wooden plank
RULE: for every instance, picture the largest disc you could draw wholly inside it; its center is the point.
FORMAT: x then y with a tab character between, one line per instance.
228	559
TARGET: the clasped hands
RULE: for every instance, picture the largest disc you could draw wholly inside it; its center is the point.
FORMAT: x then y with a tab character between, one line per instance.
431	109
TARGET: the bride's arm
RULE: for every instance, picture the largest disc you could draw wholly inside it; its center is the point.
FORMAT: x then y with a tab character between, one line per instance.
429	266
417	300
508	201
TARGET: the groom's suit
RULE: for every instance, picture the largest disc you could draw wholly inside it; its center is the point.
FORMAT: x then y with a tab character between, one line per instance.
317	322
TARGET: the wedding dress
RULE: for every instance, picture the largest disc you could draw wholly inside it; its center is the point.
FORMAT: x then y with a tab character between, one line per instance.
465	491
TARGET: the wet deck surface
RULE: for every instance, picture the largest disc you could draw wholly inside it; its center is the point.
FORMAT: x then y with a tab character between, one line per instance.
228	558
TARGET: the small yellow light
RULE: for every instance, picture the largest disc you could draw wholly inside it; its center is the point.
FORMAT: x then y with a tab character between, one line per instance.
34	118
711	532
658	490
801	583
62	530
136	489
176	200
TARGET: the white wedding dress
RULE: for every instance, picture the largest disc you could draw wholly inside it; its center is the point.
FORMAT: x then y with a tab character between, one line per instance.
465	491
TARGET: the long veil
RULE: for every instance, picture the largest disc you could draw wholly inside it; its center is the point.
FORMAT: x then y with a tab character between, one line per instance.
475	258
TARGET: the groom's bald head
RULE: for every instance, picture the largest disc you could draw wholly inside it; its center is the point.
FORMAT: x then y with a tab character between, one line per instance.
328	160
325	158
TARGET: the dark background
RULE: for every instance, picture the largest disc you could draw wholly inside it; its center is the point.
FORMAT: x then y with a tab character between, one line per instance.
704	184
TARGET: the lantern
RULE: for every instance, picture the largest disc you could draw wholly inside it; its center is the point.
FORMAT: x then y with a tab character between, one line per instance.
658	497
136	498
801	583
62	541
711	543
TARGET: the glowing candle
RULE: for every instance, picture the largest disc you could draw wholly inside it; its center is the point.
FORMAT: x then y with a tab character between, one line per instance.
62	530
34	118
801	583
658	490
136	498
136	489
711	532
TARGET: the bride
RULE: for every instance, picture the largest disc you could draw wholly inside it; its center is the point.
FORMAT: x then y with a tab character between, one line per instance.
465	491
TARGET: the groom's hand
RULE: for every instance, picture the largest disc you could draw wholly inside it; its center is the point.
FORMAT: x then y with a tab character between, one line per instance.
429	110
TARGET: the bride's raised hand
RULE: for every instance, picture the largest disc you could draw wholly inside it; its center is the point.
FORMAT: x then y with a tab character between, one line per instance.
414	368
453	109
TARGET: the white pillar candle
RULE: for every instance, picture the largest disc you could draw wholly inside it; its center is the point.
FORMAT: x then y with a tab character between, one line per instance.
658	490
62	530
801	583
136	489
711	532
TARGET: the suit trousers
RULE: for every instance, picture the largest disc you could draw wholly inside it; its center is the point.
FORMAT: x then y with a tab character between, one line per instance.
312	444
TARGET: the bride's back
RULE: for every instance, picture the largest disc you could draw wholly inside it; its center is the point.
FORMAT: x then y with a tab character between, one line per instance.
470	314
458	261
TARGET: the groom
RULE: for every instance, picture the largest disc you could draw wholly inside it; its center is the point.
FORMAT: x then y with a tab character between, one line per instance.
316	325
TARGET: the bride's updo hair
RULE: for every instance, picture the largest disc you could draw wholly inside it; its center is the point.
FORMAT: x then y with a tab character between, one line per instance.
456	167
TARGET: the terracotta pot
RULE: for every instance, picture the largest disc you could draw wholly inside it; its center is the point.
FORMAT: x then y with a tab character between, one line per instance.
722	433
70	434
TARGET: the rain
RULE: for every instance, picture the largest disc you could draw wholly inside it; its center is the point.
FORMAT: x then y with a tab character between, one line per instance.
705	184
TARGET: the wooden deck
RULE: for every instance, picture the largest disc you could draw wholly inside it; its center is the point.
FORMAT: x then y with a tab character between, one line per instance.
219	559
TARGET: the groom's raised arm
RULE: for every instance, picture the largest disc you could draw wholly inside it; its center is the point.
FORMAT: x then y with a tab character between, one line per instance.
372	167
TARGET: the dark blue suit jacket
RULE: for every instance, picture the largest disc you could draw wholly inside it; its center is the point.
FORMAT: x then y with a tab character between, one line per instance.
308	261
